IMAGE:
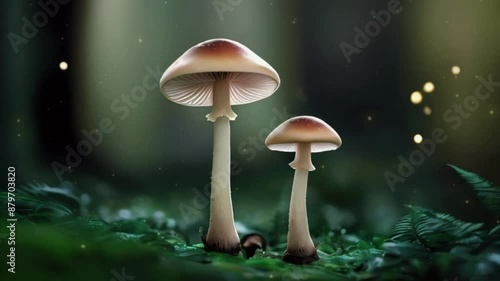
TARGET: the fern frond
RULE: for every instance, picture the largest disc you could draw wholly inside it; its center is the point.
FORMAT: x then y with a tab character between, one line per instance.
485	189
435	230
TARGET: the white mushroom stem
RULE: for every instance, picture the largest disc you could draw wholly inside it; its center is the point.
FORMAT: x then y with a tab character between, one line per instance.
303	157
299	242
221	103
222	235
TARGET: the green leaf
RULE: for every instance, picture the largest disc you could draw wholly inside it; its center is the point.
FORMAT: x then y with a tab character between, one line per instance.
485	189
495	230
186	251
405	250
40	202
37	209
353	258
435	230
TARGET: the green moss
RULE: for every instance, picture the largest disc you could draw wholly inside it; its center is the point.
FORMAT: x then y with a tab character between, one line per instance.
57	242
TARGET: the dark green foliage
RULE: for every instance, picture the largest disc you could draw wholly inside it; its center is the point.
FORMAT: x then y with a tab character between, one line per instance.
57	239
38	202
489	193
435	230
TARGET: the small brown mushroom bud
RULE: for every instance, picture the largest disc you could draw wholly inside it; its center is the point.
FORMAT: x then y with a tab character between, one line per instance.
251	242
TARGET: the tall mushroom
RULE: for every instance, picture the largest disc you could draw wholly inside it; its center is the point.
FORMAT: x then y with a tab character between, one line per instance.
303	135
219	73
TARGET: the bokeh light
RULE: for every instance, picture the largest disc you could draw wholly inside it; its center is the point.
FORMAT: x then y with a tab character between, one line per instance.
427	110
429	87
63	65
418	138
416	97
455	70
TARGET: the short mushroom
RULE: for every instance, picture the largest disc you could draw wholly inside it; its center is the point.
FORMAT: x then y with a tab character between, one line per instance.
219	73
303	135
251	242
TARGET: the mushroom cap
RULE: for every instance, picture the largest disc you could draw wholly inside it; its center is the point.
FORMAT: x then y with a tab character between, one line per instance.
303	129
251	242
189	80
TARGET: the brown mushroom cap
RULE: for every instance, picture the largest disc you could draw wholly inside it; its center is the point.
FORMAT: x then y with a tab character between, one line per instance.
303	129
189	80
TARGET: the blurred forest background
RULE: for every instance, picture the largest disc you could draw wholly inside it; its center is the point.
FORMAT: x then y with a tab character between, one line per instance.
82	64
